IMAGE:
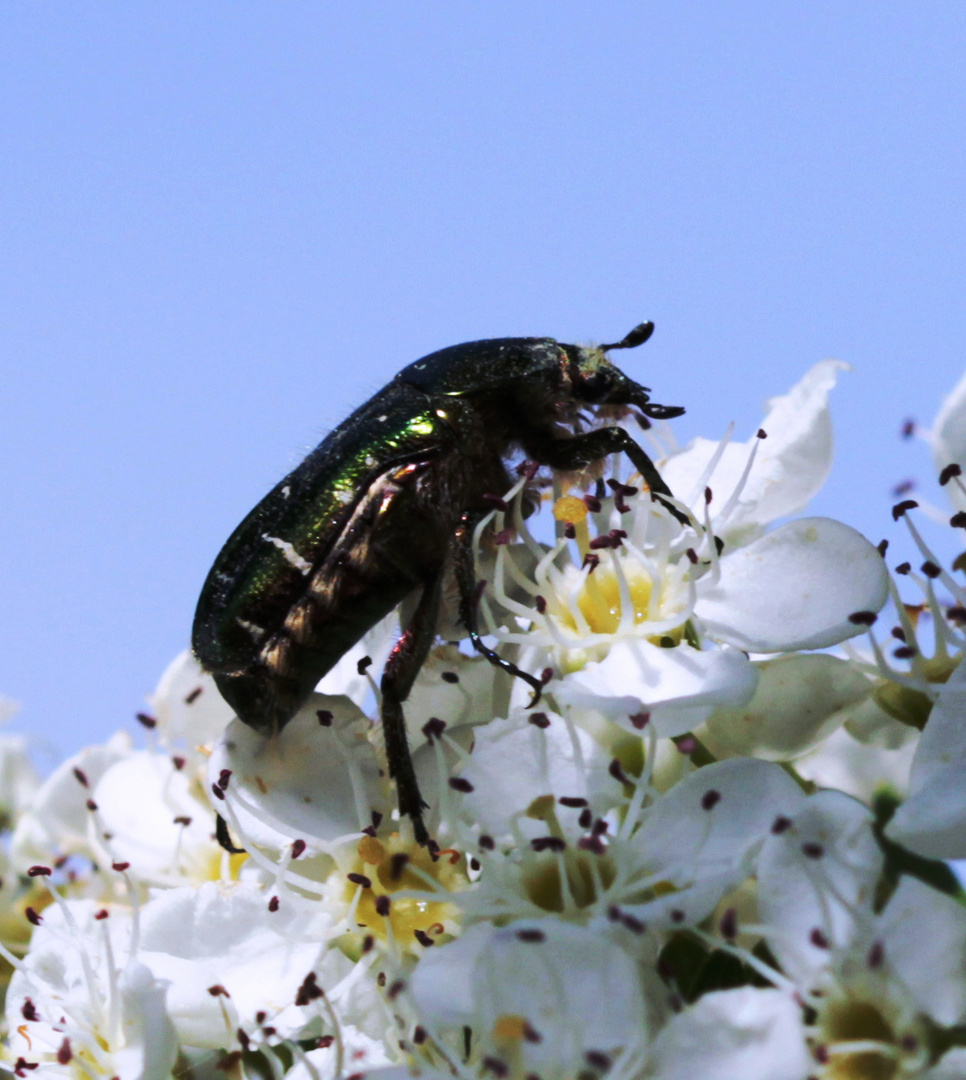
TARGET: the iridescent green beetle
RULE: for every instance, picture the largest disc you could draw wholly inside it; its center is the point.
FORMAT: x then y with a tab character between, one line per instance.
385	507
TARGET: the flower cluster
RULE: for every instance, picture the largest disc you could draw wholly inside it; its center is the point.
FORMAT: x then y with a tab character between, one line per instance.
715	847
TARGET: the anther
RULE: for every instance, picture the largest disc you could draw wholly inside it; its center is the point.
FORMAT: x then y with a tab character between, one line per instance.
818	939
397	864
876	955
309	990
592	503
39	871
423	938
572	801
191	697
948	473
548	843
930	569
360	879
729	924
450	677
145	720
780	824
363	665
531	935
862	618
496	501
273	904
539	719
81	778
812	850
958	520
433	728
900	508
882	547
298	846
324	717
459	783
383	904
710	799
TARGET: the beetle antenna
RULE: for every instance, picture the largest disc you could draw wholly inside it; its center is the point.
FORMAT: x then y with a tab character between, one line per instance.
635	337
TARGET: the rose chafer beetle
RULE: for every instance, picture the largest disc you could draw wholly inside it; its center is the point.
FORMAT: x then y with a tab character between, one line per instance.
385	508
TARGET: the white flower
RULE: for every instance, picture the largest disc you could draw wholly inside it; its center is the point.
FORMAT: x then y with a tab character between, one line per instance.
82	1005
540	996
932	821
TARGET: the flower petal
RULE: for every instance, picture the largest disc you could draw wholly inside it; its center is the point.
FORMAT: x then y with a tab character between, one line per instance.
794	588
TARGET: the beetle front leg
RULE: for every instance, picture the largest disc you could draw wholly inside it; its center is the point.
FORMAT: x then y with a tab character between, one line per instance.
464	564
407	657
580	450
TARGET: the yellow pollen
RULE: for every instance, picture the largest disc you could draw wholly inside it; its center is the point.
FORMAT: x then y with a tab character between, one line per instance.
509	1028
371	851
394	866
570	508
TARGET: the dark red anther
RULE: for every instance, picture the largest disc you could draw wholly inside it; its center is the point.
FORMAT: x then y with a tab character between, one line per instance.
904	652
192	697
729	925
383	904
593	844
686	744
901	507
570	531
218	991
882	547
531	935
364	665
64	1052
948	473
503	537
39	871
710	799
81	778
361	880
762	434
324	717
548	843
692	556
592	561
102	914
708	495
958	520
531	468
876	955
617	771
298	847
908	429
956	614
540	603
450	677
273	904
223	777
781	824
585	819
930	569
600	827
397	864
419	1035
597	1060
487	843
309	990
592	503
546	675
461	784
29	1010
677	915
243	1038
179	762
640	719
903	568
573	801
217	792
120	867
145	720
812	850
91	805
433	728
818	939
863	618
903	488
423	938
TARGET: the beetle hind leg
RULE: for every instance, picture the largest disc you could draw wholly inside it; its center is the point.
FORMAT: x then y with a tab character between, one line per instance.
402	667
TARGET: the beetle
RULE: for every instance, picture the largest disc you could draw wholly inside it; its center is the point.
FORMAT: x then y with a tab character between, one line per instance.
385	507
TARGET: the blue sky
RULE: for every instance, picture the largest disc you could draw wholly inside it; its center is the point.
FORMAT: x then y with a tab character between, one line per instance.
224	225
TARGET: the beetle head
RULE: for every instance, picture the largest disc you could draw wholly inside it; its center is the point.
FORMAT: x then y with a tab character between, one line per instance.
595	380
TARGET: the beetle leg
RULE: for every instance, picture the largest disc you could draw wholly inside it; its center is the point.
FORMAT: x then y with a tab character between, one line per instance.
580	450
398	676
465	568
